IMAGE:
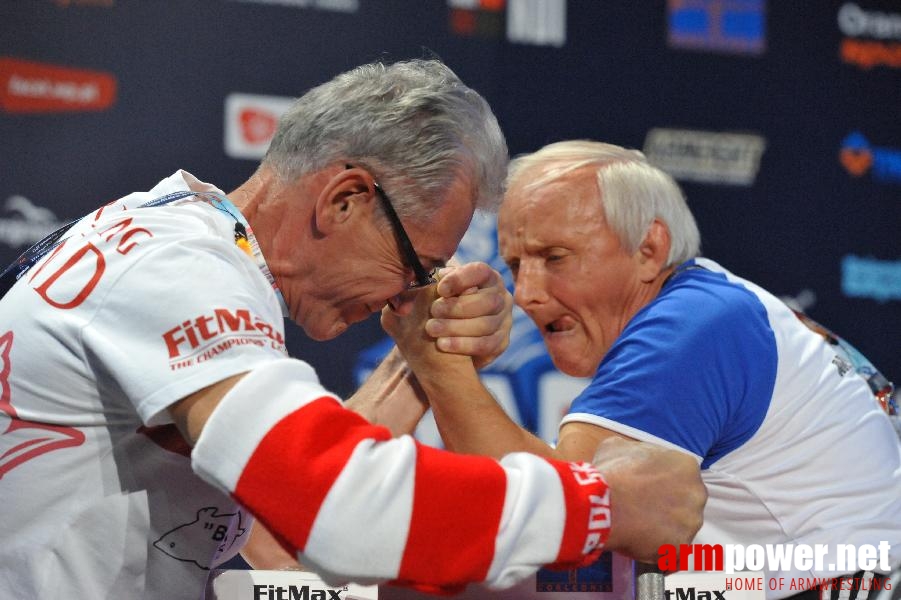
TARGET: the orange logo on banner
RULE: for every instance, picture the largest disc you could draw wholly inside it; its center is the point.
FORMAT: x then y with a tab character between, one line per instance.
257	126
32	87
857	162
868	54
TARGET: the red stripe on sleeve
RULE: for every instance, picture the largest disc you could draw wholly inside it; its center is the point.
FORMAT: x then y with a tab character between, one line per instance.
461	499
289	474
587	523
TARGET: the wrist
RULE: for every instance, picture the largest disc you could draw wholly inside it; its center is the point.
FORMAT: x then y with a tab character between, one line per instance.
439	369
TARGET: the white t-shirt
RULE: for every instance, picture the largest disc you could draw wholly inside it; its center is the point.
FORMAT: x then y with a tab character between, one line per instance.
793	447
139	308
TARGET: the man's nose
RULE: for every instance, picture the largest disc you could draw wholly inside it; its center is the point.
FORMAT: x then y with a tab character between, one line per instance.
530	286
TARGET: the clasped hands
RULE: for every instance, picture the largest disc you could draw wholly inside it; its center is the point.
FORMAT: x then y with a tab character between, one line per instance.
465	316
657	493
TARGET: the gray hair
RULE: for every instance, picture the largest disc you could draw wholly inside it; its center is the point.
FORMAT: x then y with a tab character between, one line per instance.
414	124
633	192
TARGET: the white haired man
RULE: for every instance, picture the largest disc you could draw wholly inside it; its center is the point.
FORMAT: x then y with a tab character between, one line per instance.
793	446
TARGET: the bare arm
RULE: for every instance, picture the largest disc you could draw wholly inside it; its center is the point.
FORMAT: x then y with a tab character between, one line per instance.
463	324
391	396
471	317
191	414
663	505
262	551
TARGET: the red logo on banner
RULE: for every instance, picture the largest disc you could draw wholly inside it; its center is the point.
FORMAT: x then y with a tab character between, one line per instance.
257	126
483	18
33	87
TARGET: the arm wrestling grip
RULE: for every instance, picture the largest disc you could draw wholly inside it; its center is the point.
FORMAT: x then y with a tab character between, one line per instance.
355	504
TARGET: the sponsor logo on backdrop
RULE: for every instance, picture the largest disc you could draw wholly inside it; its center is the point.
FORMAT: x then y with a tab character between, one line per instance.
250	122
859	158
878	280
597	577
477	18
730	26
33	87
872	37
534	22
24	223
344	6
706	156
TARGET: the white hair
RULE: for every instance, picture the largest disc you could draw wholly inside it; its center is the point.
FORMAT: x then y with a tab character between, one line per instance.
632	191
414	124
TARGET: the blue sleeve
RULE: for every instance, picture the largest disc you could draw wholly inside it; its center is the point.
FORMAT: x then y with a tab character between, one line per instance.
695	368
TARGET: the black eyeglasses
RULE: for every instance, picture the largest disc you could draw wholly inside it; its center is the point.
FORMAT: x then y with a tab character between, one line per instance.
423	277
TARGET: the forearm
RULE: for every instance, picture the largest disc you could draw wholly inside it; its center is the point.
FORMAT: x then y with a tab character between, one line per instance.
263	551
390	396
469	419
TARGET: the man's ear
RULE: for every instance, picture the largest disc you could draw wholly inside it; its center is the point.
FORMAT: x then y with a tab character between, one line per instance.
344	196
653	252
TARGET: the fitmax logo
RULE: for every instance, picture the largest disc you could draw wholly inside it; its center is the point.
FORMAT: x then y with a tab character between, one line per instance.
859	157
692	594
293	592
193	333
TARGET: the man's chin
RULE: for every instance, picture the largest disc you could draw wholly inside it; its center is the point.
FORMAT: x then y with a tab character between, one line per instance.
574	366
324	335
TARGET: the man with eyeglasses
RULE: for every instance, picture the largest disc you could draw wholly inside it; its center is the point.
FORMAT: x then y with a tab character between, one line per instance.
151	406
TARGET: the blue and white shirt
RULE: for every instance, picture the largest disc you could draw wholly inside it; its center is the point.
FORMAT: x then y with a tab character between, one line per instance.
793	447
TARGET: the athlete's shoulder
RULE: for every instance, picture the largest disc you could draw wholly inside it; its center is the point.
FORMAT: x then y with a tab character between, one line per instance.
706	295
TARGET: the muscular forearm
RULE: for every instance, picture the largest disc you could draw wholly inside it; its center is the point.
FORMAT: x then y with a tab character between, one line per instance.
390	396
469	419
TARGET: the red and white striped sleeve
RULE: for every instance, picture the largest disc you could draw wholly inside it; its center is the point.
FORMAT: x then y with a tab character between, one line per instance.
357	505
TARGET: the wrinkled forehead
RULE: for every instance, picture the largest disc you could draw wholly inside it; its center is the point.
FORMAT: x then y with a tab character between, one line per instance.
533	175
550	189
562	209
